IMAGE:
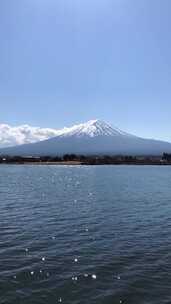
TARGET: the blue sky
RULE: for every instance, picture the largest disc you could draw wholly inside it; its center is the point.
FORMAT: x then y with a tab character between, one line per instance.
69	61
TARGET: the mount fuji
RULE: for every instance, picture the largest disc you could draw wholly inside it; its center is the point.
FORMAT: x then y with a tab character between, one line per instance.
94	137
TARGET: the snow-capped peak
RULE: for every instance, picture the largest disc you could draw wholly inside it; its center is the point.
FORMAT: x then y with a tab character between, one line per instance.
92	128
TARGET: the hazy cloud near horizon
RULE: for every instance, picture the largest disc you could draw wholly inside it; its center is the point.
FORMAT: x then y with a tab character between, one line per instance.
11	136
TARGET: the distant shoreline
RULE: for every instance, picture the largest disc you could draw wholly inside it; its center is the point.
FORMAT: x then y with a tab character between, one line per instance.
71	163
77	160
77	163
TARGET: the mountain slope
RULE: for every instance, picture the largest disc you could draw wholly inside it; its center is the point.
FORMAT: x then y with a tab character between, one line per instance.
93	137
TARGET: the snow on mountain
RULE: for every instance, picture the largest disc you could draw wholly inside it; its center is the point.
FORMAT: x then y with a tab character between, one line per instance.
93	137
92	128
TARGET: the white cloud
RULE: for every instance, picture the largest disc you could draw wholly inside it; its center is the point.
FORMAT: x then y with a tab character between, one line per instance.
11	136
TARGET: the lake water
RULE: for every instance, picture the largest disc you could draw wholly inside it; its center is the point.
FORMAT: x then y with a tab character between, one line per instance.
85	235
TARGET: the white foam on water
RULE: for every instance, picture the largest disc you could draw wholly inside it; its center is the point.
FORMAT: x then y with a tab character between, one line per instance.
94	277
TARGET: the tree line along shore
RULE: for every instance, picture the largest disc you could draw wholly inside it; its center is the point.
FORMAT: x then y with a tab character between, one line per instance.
73	159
